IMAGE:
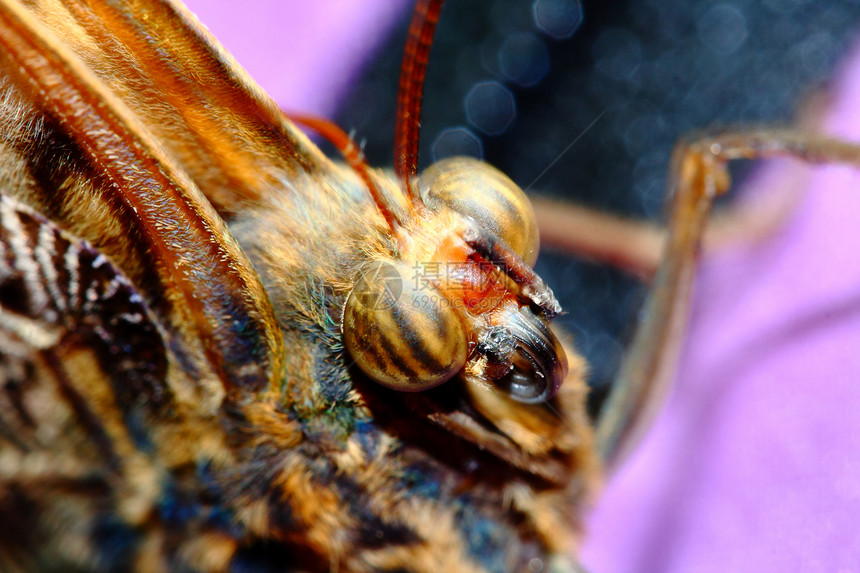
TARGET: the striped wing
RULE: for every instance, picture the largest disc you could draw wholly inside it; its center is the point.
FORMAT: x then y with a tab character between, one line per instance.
210	116
88	143
82	374
127	311
101	447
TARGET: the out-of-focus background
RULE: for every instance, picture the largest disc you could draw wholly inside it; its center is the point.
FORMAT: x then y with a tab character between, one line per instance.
750	468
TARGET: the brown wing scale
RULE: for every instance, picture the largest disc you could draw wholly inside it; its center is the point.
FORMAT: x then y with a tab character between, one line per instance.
83	373
99	172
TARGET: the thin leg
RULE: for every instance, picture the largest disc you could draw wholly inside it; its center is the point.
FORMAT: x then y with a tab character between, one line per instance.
698	174
633	246
636	246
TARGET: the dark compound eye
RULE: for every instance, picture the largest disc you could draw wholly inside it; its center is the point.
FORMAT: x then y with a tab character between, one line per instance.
482	192
404	334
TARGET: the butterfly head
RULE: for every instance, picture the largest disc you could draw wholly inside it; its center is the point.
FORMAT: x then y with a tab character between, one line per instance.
461	298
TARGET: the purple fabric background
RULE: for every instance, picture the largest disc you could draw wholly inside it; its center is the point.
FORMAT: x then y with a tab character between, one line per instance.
303	53
753	464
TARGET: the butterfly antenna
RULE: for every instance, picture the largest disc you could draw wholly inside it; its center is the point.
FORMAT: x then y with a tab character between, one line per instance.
413	70
354	157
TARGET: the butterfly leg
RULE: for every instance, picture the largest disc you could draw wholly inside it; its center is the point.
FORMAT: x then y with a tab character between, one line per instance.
698	175
627	244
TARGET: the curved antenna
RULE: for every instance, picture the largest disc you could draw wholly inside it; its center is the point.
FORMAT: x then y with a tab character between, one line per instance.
354	157
413	70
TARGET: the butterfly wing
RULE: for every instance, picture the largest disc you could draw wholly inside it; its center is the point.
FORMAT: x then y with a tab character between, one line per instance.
83	373
78	154
128	314
213	120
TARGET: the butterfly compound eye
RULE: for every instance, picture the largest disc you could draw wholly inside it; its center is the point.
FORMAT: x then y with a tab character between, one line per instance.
482	192
404	334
